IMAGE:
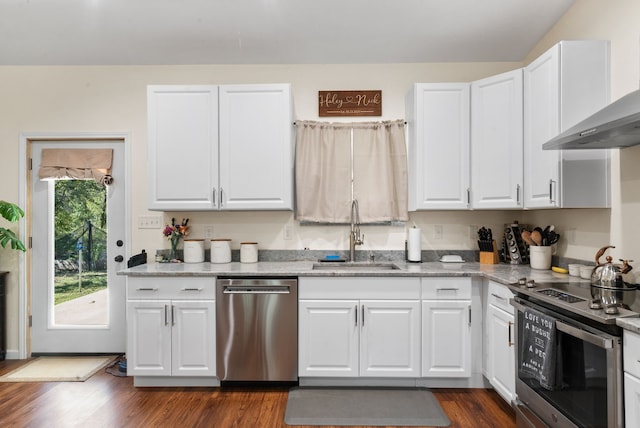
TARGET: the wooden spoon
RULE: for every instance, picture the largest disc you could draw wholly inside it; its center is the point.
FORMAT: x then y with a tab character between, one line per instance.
526	237
536	237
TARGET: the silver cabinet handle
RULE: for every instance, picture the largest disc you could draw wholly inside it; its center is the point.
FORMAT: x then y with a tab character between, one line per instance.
173	315
214	198
221	198
192	289
469	314
356	311
518	194
468	195
509	341
552	199
363	315
146	289
499	297
166	317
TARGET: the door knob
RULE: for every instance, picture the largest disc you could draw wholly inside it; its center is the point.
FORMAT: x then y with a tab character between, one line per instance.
118	258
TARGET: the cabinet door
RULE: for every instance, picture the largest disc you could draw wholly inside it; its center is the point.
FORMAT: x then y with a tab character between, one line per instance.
541	123
563	86
193	341
182	147
501	352
631	400
497	141
148	338
390	338
256	147
328	338
438	119
446	338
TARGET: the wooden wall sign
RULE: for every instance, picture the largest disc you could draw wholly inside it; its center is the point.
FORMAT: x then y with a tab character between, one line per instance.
349	103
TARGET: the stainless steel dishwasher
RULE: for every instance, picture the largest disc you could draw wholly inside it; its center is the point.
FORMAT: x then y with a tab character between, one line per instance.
257	329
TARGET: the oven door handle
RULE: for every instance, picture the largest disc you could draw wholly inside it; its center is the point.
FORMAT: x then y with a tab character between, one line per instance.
601	342
598	341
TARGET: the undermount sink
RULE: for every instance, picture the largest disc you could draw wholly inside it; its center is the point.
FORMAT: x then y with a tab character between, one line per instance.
354	266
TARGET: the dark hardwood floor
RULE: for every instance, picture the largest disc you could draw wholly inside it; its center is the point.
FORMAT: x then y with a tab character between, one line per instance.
109	401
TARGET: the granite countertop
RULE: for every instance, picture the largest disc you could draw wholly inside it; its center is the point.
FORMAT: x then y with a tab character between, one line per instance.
506	274
502	273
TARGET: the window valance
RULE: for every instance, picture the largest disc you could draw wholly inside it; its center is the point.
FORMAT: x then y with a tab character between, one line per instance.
80	164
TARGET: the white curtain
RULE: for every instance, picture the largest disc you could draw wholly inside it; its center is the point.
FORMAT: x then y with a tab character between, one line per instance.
80	164
338	162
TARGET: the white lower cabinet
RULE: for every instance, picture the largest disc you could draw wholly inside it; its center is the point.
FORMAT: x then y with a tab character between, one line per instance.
446	327
171	327
351	327
499	340
631	362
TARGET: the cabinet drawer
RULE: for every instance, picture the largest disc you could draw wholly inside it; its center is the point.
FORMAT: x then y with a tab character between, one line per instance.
631	352
499	295
383	288
446	288
171	288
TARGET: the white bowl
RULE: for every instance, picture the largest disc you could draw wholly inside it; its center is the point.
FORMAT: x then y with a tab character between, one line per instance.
586	271
574	269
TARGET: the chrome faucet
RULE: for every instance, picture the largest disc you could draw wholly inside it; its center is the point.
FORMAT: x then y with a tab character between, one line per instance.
355	237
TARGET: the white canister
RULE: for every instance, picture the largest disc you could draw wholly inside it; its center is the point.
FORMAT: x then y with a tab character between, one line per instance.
193	251
221	250
248	252
540	256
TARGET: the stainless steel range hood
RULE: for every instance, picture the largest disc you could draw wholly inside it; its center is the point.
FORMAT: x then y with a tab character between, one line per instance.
615	126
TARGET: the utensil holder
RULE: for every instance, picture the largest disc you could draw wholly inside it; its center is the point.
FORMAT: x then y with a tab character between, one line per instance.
490	257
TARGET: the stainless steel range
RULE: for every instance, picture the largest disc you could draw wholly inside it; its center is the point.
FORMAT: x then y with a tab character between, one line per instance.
568	357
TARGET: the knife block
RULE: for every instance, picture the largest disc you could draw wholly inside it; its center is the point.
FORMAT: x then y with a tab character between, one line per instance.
490	258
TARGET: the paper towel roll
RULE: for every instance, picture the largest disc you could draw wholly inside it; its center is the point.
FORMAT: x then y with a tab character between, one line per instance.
414	245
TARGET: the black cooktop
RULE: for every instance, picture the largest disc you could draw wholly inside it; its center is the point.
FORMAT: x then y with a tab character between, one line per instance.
572	298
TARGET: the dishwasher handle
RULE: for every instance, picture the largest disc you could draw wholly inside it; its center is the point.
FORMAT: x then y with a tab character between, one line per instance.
241	289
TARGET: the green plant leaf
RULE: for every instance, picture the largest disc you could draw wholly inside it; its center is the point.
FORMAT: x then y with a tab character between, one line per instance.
8	237
10	211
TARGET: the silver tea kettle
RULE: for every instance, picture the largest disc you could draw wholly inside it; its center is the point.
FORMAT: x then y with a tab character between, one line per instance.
608	289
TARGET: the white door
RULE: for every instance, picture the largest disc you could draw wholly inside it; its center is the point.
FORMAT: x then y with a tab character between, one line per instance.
94	323
496	141
439	133
446	338
501	370
193	338
256	148
149	337
328	338
390	338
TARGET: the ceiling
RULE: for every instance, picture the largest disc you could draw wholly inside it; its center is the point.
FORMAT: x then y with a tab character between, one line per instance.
128	32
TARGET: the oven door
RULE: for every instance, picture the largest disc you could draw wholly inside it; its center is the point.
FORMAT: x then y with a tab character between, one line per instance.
589	373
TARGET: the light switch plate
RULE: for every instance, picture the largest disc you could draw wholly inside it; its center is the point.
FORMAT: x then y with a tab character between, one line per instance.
149	222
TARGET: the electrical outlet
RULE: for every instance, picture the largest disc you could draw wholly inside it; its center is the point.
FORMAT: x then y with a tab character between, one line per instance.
473	232
288	232
208	232
437	232
149	222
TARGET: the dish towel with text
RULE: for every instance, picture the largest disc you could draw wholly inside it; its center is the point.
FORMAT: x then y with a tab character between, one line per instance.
539	348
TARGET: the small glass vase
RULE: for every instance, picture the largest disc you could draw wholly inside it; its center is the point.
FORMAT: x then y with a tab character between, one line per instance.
173	254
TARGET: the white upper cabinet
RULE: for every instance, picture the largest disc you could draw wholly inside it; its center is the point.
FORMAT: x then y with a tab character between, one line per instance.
256	147
183	147
496	142
220	147
438	128
564	85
